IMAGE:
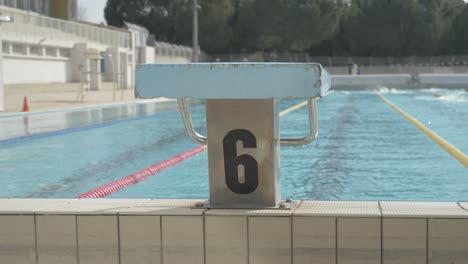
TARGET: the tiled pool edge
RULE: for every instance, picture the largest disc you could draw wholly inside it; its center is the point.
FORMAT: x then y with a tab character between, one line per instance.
122	231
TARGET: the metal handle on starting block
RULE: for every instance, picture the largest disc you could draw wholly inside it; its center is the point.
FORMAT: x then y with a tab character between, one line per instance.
313	126
188	123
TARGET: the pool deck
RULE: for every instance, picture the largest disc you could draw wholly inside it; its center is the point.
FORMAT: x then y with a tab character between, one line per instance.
119	231
44	97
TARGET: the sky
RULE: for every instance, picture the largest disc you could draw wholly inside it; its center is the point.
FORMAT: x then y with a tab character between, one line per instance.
94	10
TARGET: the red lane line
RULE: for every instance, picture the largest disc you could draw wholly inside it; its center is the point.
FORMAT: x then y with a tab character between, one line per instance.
138	176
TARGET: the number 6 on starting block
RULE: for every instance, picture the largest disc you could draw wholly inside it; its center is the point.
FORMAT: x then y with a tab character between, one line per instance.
242	120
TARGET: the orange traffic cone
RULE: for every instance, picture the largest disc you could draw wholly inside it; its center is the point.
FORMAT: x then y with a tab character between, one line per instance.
25	105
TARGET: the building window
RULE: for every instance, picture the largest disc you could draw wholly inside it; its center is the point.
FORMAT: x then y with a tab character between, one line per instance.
10	3
47	7
21	4
20	49
51	52
42	7
64	53
102	56
35	50
32	5
6	48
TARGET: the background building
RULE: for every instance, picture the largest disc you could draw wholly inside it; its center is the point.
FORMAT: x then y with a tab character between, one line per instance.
64	9
46	43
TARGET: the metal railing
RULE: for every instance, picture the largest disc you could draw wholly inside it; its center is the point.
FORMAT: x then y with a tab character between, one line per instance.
173	50
168	49
111	37
456	60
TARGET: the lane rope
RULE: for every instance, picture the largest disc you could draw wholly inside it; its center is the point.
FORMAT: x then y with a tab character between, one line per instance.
136	177
452	150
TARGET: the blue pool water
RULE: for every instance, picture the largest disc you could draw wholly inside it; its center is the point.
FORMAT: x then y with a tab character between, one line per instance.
365	150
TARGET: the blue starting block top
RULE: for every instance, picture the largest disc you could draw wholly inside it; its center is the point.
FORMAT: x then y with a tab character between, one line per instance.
232	80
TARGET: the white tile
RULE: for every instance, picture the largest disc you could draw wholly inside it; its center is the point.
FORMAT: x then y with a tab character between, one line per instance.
56	239
415	204
359	240
174	202
338	208
314	240
148	210
182	239
269	240
140	239
98	239
79	209
141	210
17	206
404	241
17	239
423	209
464	205
92	206
118	202
250	212
226	239
339	204
448	241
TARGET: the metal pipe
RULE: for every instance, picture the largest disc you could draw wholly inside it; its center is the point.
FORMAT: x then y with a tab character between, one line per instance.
313	128
195	31
188	123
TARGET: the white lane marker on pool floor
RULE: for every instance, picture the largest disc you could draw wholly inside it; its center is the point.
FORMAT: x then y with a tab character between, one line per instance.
114	186
451	149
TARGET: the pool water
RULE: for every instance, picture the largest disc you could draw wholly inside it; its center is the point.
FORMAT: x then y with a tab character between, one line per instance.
365	151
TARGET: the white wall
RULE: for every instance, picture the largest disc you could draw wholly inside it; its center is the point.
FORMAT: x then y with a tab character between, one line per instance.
369	81
169	59
444	79
147	55
27	70
77	55
398	69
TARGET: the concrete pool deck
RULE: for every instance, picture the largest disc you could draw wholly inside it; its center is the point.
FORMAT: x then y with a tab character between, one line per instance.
119	231
43	97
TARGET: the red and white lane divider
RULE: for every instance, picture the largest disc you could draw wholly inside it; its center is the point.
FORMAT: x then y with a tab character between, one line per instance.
136	177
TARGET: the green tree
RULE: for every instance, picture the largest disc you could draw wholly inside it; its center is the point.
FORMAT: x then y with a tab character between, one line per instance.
285	25
171	20
461	31
381	27
311	22
441	18
320	27
245	36
216	31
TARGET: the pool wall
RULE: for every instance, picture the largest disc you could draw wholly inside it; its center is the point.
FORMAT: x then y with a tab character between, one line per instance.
119	231
369	81
402	81
444	79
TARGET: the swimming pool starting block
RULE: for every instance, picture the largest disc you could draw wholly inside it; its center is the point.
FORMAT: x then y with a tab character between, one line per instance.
242	120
